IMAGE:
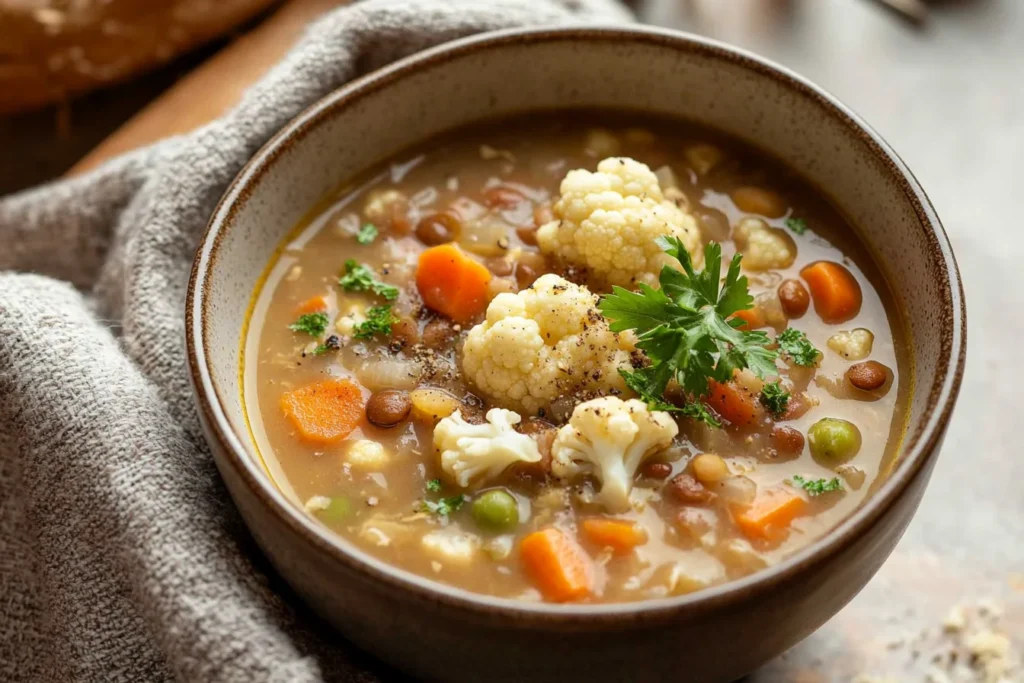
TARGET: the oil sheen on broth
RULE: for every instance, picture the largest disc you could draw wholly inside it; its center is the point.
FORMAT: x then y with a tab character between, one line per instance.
706	504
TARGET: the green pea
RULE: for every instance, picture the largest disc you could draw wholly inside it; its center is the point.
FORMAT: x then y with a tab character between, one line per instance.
496	510
833	441
339	508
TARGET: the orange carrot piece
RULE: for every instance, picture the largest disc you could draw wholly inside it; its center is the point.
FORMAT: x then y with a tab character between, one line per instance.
324	412
557	565
316	304
753	317
452	283
770	514
836	294
733	403
617	534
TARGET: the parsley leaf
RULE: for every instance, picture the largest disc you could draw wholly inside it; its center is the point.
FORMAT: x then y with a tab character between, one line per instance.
367	234
794	343
816	487
379	320
774	397
359	278
645	383
434	485
332	343
797	225
312	324
684	327
698	410
443	506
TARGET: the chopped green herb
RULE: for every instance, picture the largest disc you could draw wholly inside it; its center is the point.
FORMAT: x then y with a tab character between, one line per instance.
379	320
684	328
434	486
774	398
645	382
698	410
794	344
312	324
367	234
797	225
443	506
332	343
359	278
816	487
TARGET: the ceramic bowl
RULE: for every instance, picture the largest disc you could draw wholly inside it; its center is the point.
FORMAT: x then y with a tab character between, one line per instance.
440	632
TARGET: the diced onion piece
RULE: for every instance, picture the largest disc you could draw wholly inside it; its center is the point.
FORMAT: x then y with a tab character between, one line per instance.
737	553
666	177
703	158
389	373
852	475
739	490
488	236
601	144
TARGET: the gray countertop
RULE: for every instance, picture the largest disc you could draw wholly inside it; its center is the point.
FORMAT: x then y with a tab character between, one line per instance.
950	100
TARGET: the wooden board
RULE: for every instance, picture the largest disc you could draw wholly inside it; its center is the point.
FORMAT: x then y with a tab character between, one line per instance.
215	86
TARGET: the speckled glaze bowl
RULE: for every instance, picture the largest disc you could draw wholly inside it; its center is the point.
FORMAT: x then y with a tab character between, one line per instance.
439	632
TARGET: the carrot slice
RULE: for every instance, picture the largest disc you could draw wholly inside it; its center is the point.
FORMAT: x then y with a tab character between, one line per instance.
619	535
771	513
836	294
452	283
733	403
324	412
753	317
557	565
316	304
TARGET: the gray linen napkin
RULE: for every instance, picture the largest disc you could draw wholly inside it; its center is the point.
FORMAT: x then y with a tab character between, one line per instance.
121	556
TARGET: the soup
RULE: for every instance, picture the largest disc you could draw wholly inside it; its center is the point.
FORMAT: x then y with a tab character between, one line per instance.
538	359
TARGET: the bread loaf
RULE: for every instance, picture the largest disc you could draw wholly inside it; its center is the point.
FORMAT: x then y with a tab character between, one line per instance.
53	49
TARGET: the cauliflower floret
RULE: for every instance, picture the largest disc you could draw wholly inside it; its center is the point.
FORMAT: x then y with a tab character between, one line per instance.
609	438
764	247
544	342
607	222
367	455
855	345
473	452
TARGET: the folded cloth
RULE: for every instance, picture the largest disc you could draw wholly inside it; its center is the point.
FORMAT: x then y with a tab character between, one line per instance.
121	556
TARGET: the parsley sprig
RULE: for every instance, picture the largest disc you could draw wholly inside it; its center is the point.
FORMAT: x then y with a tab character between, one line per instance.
774	397
379	320
816	487
359	278
312	324
367	234
797	225
332	343
686	331
795	344
442	507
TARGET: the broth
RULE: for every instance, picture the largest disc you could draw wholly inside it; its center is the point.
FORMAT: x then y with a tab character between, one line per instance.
500	181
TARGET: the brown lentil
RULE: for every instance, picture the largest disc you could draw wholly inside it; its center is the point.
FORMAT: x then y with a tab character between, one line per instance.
388	408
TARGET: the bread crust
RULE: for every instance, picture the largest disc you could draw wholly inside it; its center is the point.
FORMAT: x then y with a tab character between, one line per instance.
51	50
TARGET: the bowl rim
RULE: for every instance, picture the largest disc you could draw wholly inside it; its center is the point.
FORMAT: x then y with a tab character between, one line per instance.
923	444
